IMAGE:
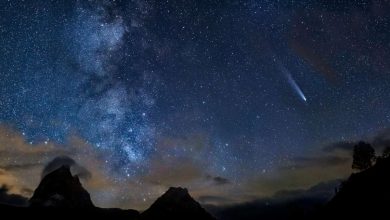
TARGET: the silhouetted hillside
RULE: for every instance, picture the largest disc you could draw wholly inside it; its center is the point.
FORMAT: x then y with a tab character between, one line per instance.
364	194
287	204
14	212
60	189
7	198
176	203
62	196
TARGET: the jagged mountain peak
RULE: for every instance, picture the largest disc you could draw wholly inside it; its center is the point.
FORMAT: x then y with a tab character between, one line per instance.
61	189
176	203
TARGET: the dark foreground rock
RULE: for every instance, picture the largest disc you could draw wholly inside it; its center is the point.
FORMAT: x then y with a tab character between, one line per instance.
363	195
60	195
62	190
176	203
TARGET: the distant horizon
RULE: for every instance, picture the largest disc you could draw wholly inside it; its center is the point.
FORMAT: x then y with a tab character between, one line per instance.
86	176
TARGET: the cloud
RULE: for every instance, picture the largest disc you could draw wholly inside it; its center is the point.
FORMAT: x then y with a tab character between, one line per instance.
19	166
178	160
324	18
210	199
320	190
308	53
11	199
328	162
174	171
342	145
379	141
332	161
76	169
282	205
217	180
320	161
22	163
382	139
8	179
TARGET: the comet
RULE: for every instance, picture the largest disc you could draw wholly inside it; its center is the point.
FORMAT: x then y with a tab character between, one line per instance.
296	87
293	84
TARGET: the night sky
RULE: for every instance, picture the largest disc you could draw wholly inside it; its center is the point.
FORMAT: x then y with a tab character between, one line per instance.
233	99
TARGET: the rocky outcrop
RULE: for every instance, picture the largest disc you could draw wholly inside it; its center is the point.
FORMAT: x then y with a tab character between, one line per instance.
176	203
61	190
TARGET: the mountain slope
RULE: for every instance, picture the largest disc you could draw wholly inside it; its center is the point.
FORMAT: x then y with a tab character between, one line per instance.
364	194
60	189
176	203
286	204
61	195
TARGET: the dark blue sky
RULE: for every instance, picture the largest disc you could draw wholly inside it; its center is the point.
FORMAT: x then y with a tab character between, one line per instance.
239	88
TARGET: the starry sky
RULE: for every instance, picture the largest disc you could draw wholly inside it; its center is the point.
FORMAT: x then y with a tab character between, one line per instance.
233	99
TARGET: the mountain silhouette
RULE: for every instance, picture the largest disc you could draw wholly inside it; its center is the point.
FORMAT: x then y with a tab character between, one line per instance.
283	205
62	195
176	203
365	194
60	189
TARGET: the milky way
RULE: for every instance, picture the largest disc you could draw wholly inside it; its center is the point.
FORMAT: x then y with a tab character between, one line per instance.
188	92
114	115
